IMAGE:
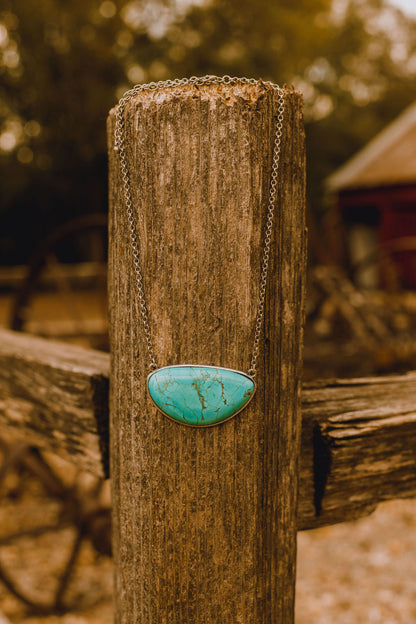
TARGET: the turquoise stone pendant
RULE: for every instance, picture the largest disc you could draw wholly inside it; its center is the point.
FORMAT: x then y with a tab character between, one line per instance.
200	396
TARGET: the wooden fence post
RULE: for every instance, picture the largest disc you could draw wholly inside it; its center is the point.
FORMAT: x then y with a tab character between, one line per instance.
205	519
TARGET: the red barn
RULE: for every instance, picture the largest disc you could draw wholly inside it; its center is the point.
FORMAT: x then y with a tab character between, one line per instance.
376	194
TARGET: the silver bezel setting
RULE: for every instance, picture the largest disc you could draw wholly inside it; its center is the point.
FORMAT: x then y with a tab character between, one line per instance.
178	422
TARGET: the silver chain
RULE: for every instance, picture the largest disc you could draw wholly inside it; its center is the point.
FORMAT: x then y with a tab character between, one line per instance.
119	146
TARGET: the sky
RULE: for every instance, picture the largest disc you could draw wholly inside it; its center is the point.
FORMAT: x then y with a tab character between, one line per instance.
407	5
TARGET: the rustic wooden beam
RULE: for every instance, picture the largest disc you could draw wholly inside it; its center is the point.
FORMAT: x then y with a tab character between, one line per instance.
358	435
56	395
358	444
205	519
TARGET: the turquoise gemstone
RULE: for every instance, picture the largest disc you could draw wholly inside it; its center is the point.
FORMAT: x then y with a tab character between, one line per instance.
200	395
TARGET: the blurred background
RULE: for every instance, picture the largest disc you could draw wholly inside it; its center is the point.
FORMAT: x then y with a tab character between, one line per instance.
62	67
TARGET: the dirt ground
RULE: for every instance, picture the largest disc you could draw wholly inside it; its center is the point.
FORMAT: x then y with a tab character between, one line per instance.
360	572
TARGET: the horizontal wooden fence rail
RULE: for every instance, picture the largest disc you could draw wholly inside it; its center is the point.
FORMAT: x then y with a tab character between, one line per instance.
358	435
56	395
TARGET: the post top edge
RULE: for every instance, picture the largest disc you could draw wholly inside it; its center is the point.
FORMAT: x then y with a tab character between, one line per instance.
244	90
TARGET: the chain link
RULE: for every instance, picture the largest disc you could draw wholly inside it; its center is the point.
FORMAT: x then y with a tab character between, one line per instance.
119	146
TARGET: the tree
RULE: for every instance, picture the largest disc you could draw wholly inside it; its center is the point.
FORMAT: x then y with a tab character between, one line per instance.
63	65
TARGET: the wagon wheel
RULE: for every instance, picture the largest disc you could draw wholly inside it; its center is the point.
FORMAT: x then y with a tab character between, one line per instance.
80	505
80	508
77	308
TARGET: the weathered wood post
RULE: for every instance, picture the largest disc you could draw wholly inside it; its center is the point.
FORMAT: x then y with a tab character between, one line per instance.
205	519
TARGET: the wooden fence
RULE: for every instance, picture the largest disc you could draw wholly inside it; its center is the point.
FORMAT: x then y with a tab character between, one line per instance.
205	521
358	435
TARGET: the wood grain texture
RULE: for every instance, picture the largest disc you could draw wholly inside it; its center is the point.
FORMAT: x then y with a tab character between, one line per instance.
56	396
358	436
205	520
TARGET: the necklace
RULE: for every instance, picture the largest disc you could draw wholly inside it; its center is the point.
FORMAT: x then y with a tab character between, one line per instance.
194	394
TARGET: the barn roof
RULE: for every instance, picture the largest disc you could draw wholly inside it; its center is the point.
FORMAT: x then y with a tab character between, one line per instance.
388	159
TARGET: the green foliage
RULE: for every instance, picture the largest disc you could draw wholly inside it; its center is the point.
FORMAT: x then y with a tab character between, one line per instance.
63	65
